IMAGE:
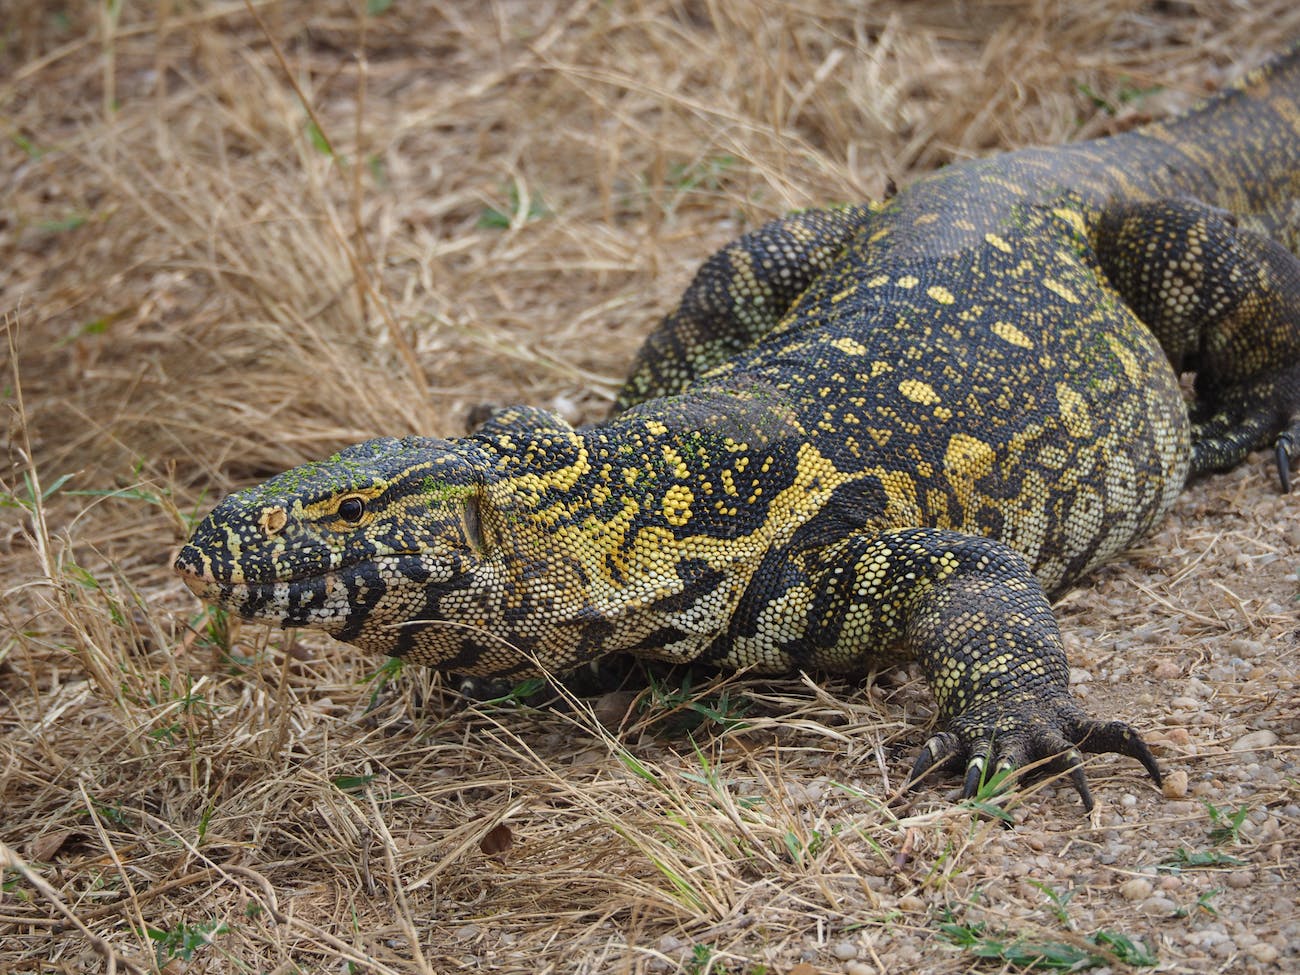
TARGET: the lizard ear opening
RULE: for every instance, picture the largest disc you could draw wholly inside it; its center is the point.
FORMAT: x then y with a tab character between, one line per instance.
473	521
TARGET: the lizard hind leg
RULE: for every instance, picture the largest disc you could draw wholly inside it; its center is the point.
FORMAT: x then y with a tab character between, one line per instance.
737	296
1254	416
1223	302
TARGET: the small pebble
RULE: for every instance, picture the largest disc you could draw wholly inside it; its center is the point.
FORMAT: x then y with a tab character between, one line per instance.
612	708
1264	952
1136	889
845	951
1166	670
1159	906
911	904
1240	879
859	968
1255	740
1175	784
1224	949
908	956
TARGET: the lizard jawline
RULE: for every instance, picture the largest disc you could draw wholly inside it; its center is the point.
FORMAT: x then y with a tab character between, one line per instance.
317	601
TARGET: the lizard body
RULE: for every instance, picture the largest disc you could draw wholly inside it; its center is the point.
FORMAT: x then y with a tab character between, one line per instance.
866	433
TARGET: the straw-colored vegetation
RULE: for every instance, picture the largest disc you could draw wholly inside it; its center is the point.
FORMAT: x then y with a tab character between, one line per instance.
235	236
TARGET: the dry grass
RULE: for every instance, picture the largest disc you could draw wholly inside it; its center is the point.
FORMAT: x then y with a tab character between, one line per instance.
494	204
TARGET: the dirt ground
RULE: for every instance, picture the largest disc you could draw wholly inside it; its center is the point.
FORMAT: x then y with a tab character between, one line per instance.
235	237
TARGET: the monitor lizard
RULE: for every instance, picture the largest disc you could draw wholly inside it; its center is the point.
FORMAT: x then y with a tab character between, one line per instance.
867	433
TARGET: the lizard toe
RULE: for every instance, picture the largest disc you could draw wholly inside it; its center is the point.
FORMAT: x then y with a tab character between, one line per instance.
1286	450
976	769
1044	753
942	754
1118	737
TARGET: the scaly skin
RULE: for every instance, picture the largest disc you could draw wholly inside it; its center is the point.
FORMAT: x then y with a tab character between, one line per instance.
866	434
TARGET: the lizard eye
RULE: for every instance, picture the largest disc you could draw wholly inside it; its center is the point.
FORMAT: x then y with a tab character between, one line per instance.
351	509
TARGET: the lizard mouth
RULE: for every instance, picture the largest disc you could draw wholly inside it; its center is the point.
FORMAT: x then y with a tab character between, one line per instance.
198	583
250	600
195	571
324	599
318	600
275	600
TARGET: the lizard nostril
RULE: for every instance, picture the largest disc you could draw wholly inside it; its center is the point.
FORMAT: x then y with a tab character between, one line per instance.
272	520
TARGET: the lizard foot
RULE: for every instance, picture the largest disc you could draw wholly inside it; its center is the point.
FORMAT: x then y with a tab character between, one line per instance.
1047	732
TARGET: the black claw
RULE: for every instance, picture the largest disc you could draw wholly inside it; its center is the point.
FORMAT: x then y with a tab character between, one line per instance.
1282	452
922	767
1079	780
1143	755
974	776
1035	738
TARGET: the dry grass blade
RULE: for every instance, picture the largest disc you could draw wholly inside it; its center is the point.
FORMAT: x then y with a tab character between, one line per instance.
10	860
238	235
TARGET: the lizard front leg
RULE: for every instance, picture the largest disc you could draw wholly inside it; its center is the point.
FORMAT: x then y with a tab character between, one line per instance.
971	611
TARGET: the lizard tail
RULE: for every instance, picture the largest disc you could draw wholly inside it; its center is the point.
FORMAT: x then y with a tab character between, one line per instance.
1240	150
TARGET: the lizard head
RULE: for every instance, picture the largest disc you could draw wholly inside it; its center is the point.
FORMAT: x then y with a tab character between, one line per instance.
349	545
527	546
